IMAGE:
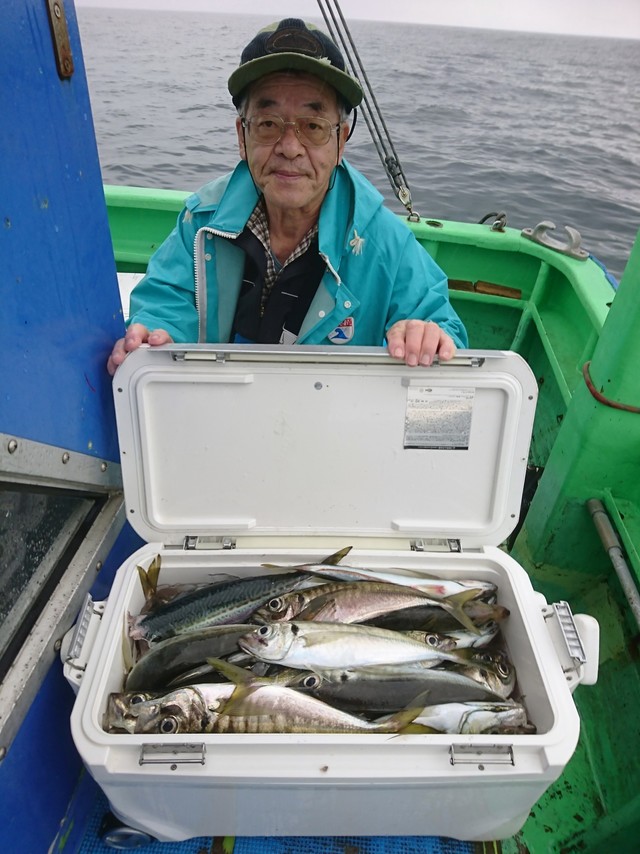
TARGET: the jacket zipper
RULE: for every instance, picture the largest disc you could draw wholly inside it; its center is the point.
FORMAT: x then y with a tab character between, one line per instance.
200	294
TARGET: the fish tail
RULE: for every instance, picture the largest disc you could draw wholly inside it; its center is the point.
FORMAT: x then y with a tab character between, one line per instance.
455	606
149	578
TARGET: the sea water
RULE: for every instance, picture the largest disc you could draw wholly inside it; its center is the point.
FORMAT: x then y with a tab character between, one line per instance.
542	127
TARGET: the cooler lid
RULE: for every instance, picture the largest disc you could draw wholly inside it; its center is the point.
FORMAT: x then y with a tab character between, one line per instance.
229	440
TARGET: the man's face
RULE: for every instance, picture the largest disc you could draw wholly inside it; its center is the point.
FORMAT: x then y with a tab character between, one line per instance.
293	177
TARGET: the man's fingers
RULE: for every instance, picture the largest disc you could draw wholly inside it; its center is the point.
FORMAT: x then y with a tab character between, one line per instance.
418	342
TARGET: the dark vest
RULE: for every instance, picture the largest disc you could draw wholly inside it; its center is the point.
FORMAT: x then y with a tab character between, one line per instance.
290	297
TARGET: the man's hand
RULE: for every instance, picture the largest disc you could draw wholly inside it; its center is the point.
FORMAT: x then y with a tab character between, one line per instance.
137	334
418	342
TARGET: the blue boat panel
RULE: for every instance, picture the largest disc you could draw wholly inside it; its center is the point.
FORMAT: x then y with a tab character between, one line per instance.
61	308
39	771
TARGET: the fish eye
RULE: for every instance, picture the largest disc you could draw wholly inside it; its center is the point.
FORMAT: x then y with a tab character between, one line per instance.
432	640
168	725
264	631
137	698
311	681
503	669
275	605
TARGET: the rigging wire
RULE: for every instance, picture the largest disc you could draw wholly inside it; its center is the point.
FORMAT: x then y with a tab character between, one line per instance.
339	32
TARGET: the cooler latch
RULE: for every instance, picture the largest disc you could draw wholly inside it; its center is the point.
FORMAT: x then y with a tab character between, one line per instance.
570	633
172	754
192	543
487	754
78	642
435	545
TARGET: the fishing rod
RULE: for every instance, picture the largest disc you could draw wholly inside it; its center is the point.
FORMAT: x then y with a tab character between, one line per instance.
339	31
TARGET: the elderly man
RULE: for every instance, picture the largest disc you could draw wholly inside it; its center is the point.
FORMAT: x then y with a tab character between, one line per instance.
295	245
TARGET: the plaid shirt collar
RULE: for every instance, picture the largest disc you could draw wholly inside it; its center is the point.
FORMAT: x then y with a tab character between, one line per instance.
258	224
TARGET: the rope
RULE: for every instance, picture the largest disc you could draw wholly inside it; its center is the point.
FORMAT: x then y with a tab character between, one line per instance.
339	32
626	407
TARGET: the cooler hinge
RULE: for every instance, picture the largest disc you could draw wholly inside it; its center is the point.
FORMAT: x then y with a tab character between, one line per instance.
435	545
172	754
192	543
488	754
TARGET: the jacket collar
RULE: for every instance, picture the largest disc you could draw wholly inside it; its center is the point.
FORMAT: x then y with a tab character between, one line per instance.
346	210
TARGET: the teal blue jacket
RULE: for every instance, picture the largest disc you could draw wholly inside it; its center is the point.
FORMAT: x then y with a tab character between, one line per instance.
376	273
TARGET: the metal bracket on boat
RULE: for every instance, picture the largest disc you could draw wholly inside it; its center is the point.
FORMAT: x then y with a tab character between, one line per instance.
487	754
571	248
60	37
172	754
499	220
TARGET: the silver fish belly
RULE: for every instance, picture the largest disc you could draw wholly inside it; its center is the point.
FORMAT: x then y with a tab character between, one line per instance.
311	645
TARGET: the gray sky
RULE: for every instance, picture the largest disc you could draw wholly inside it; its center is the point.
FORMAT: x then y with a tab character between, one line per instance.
618	18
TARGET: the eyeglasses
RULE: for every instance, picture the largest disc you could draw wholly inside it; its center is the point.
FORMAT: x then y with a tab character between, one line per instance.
310	130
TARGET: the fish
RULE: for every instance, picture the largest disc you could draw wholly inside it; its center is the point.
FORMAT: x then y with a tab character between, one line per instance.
359	601
430	618
474	718
309	645
217	604
187	709
460	639
259	705
434	585
490	668
167	660
379	689
289	605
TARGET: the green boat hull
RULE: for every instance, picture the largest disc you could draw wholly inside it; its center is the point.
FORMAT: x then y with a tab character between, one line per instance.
559	313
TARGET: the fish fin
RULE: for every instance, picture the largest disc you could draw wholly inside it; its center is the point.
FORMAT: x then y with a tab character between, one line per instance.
336	557
325	612
235	674
331	560
418	729
127	651
455	606
401	719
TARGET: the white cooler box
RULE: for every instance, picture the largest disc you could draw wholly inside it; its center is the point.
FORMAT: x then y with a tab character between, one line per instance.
235	457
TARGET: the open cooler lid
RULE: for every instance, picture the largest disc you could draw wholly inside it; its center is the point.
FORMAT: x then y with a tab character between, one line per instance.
229	440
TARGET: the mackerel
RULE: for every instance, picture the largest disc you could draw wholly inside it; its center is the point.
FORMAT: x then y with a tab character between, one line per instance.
214	605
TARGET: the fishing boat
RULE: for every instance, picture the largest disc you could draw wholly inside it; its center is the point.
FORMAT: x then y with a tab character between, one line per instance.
67	261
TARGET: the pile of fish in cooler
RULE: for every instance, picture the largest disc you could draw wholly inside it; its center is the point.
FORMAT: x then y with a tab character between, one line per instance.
319	648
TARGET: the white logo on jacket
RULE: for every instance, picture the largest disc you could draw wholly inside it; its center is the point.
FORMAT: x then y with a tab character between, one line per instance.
343	333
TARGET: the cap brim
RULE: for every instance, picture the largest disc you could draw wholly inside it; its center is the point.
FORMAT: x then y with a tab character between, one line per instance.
253	70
